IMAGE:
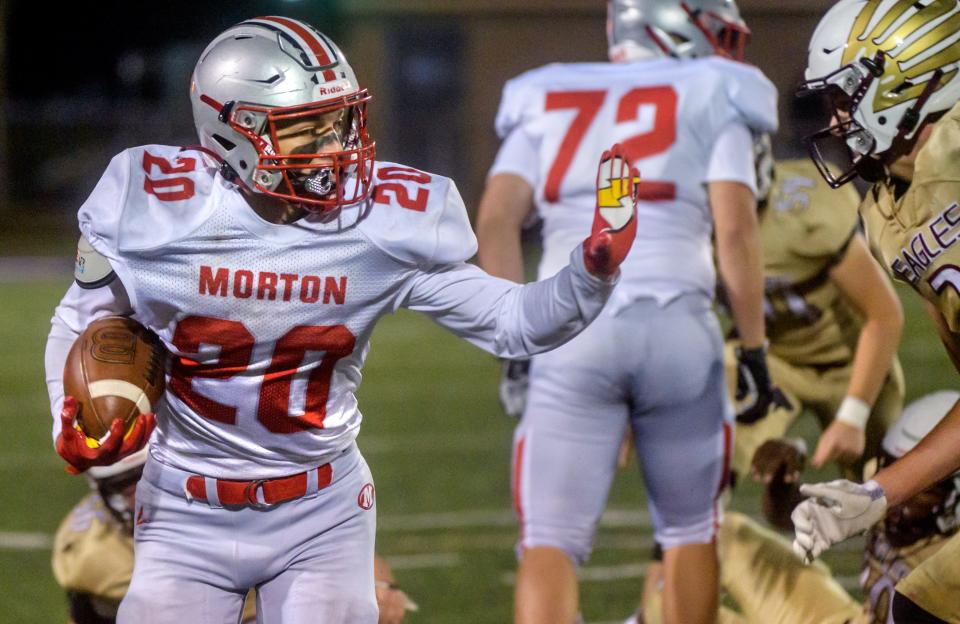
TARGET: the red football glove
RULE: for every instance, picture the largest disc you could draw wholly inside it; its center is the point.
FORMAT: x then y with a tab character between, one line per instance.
72	442
615	216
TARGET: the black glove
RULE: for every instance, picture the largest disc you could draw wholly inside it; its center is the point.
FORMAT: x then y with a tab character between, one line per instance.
755	392
514	381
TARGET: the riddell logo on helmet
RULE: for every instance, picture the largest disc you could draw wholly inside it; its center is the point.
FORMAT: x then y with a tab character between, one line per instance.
331	90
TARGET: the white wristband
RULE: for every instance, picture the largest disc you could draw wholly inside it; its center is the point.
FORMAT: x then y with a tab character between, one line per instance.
854	412
874	490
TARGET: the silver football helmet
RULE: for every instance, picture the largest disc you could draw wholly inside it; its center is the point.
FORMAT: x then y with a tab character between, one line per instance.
272	74
681	29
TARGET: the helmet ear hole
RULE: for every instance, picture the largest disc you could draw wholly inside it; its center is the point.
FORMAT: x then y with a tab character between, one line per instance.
224	143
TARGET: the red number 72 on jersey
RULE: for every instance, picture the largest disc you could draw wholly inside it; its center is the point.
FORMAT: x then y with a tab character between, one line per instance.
588	104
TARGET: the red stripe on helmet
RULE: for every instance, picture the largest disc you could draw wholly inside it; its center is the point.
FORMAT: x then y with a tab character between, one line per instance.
656	39
316	45
212	103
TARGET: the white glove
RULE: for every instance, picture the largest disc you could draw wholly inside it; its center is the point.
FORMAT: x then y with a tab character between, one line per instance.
835	511
514	382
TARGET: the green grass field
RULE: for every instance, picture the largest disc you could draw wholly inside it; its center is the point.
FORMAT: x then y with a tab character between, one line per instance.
439	448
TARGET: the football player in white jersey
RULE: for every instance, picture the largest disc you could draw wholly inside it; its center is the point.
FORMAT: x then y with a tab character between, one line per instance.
686	114
263	259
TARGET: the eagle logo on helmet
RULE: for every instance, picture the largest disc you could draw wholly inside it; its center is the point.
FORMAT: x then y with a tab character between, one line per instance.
886	66
902	36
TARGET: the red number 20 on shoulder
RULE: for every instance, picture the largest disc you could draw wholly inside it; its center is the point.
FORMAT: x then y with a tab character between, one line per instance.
587	105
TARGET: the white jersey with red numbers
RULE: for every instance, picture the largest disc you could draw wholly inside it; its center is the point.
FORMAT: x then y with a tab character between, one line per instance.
682	122
268	325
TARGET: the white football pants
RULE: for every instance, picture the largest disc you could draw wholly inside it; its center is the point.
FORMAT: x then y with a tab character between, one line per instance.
310	559
660	369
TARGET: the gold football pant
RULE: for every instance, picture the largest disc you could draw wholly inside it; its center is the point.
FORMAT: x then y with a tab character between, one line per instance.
820	390
759	571
935	583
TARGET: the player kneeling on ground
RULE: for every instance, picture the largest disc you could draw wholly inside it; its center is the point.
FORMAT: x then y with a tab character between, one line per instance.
833	320
263	260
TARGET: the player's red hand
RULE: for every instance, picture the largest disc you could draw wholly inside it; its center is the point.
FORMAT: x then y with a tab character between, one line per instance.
72	443
615	215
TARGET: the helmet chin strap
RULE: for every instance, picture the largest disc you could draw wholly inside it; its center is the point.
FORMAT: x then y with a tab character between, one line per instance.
871	169
876	169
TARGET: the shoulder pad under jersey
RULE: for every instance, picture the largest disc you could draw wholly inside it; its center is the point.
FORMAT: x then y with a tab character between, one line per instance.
418	218
749	92
148	196
822	218
939	159
91	270
517	94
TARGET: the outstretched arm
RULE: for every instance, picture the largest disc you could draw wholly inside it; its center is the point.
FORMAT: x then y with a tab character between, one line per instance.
840	509
938	454
507	319
514	321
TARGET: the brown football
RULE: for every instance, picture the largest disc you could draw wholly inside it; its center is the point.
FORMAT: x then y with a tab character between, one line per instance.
115	369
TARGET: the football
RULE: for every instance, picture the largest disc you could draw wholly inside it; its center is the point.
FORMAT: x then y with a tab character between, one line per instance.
115	369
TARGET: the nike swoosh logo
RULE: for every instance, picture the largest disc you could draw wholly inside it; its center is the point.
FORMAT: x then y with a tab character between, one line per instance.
268	81
832	50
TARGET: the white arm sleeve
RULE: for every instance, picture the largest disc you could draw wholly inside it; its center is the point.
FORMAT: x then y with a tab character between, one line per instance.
732	157
507	319
78	308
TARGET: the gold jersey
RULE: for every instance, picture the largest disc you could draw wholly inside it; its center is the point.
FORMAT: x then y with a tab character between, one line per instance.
913	231
885	565
805	228
760	573
93	555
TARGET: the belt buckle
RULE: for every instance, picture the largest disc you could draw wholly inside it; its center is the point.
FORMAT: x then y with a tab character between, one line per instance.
250	492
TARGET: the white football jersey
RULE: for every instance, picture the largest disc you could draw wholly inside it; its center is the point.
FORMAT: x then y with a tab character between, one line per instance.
672	117
268	325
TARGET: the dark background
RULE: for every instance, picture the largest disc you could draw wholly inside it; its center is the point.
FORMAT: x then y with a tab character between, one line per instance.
79	82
